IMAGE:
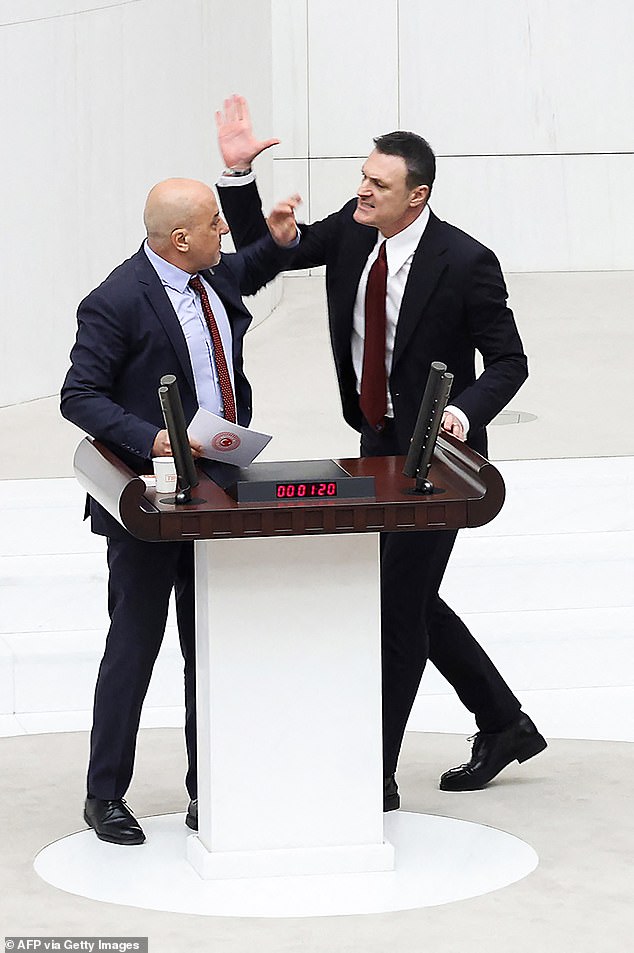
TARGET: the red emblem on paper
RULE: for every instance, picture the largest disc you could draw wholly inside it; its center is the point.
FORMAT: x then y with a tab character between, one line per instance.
226	441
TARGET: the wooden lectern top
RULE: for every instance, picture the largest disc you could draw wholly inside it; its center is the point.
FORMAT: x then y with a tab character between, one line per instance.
469	491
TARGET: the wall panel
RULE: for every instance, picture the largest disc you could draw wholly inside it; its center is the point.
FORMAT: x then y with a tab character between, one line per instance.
526	105
332	183
543	213
25	11
502	78
290	77
353	74
97	106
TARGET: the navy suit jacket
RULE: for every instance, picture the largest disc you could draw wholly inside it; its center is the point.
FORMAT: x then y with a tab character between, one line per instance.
128	337
454	304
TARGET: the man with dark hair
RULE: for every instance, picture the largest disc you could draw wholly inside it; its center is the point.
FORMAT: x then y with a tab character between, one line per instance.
405	289
418	155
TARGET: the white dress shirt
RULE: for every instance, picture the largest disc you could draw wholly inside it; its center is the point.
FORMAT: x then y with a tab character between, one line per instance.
188	308
399	251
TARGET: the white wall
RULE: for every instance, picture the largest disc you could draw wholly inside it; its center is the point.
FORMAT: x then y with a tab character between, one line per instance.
527	105
101	99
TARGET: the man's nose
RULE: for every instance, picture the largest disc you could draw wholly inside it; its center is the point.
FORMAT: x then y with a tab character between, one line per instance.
364	188
223	228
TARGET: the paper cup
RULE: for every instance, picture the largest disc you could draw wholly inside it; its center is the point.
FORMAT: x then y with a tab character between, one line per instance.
165	473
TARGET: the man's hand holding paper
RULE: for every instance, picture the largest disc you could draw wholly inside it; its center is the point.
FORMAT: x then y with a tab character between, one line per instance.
225	441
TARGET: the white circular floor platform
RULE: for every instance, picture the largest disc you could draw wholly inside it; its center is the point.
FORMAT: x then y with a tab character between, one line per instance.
438	860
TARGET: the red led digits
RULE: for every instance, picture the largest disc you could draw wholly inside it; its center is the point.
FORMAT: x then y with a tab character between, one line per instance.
289	491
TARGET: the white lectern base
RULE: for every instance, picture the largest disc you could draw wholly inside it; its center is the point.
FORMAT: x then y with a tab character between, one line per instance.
288	656
230	865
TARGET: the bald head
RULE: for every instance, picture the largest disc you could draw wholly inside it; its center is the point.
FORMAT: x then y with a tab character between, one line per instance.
183	224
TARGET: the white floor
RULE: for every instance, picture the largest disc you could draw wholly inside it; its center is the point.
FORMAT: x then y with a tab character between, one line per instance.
547	588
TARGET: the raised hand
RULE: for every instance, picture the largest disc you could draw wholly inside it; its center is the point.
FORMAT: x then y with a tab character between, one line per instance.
238	145
281	221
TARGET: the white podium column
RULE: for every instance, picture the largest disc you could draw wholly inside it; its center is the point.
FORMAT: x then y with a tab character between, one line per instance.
289	707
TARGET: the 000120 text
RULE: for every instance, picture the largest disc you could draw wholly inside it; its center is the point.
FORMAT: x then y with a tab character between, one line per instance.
302	490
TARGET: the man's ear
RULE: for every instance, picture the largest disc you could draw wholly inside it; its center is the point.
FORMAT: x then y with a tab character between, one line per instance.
419	196
180	240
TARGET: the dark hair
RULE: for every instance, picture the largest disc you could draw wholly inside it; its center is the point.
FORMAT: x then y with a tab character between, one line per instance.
417	153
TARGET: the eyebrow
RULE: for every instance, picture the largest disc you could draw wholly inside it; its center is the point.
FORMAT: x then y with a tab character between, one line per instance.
372	178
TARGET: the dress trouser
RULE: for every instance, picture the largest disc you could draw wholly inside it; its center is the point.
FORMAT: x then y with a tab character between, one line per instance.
416	624
142	576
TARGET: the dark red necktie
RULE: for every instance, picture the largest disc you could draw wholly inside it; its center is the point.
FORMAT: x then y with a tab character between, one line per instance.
373	398
219	354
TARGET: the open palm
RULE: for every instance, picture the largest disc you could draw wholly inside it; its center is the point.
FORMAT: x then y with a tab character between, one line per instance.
238	145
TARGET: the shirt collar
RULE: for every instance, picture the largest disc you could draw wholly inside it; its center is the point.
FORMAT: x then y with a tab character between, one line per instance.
402	246
170	275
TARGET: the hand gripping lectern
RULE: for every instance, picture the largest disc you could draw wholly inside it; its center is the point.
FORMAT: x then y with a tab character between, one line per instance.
288	650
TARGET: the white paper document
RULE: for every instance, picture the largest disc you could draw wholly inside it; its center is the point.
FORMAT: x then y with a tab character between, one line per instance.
224	441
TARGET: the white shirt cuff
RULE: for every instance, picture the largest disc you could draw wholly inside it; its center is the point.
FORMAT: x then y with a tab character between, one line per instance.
229	181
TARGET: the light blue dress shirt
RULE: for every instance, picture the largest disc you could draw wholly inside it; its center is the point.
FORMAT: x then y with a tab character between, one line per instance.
188	308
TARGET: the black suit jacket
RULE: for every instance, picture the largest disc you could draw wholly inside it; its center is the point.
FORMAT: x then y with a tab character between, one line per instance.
128	337
454	304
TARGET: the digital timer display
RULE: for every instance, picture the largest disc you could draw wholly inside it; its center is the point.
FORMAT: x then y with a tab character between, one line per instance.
295	482
306	490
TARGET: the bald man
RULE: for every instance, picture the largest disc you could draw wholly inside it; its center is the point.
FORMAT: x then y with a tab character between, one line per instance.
147	319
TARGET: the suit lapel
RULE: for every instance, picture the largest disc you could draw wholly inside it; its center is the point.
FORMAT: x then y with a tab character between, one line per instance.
354	252
428	264
162	307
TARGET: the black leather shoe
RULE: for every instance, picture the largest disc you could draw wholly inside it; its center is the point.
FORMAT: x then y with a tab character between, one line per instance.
391	797
191	818
113	821
493	752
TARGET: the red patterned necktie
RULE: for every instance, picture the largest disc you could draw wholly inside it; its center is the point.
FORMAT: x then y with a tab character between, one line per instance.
373	397
219	354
